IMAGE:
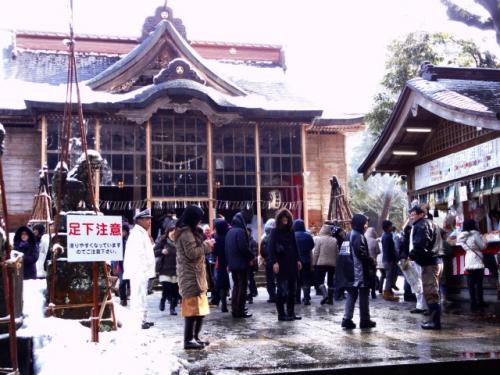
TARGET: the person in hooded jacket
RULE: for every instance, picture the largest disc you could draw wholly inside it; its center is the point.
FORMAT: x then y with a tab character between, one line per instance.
221	275
252	286
389	258
305	245
270	276
284	255
239	259
25	242
473	244
374	251
192	248
43	242
363	275
166	267
324	261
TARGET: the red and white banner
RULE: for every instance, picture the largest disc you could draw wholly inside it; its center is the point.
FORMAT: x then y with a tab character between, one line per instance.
458	263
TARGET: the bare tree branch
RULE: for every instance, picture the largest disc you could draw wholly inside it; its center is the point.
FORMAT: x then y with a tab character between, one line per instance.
459	14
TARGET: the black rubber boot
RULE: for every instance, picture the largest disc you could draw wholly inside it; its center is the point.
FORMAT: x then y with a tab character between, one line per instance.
189	342
280	307
198	323
298	291
223	300
435	317
173	304
307	295
329	300
291	312
324	293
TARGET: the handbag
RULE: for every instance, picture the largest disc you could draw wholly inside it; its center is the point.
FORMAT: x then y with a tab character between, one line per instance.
159	263
480	256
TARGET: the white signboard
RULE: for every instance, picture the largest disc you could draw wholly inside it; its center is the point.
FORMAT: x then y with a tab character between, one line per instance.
94	238
480	158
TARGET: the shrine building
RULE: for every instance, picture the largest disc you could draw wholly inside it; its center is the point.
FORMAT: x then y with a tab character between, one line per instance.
177	122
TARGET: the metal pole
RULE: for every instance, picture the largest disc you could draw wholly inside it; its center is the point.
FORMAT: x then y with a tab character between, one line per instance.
94	326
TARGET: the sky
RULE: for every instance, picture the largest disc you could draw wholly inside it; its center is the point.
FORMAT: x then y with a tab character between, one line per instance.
335	50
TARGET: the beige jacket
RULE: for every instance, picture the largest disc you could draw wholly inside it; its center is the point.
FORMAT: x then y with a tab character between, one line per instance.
325	248
191	274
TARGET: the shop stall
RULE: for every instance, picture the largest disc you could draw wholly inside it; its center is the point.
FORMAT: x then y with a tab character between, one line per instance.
443	140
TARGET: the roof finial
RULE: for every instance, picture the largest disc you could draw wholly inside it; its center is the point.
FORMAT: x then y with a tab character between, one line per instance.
162	13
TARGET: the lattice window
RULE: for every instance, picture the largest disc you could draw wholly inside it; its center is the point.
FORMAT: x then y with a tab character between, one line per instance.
123	147
179	156
449	134
234	155
280	156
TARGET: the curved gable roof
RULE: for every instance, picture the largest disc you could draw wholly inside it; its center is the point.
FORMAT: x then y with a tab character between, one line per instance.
140	59
467	96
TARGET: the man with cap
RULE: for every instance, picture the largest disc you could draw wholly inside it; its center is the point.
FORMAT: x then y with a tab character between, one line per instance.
139	265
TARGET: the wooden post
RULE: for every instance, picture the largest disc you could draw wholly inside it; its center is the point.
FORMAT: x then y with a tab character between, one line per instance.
257	187
44	127
97	131
304	174
210	167
148	164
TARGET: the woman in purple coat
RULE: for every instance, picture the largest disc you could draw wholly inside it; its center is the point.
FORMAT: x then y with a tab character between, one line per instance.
25	242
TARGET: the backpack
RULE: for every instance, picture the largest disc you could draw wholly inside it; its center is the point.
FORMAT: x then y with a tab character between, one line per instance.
437	249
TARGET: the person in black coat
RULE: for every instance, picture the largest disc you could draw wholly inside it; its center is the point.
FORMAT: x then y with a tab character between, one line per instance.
389	259
254	267
166	267
422	245
284	255
305	245
361	276
270	276
221	274
239	258
25	242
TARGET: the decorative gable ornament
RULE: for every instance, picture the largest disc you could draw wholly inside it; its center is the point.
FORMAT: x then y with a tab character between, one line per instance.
178	69
162	13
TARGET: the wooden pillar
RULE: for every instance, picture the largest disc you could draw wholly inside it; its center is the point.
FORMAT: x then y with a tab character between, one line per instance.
43	156
148	164
257	186
210	167
97	131
305	174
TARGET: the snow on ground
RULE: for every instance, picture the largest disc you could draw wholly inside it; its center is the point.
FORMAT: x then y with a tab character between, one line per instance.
63	346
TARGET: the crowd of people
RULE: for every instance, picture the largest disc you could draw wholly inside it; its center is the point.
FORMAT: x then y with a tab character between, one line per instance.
191	261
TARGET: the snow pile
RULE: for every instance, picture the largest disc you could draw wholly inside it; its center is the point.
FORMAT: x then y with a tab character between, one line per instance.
63	346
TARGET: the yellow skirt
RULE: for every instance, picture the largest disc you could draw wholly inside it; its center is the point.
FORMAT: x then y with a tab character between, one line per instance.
195	306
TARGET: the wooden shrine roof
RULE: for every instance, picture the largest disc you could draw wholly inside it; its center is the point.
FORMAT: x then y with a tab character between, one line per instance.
457	106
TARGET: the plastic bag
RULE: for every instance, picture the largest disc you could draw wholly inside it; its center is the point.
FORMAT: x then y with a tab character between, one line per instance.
412	273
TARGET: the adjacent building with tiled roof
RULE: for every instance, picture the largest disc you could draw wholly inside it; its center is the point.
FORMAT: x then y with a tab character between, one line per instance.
443	138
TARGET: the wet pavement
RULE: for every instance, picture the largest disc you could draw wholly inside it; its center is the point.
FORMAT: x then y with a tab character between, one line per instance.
261	344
